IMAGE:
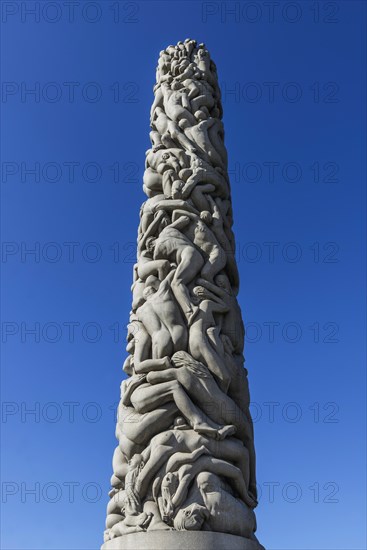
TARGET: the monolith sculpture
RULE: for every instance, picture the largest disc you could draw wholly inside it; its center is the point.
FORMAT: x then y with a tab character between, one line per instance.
184	468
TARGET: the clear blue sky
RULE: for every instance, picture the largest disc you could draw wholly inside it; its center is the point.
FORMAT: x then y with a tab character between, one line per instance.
293	83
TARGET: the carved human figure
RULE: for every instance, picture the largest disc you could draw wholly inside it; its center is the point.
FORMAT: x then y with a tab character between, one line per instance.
175	486
229	321
204	239
202	346
226	218
145	397
118	523
147	215
217	226
174	246
162	319
119	466
134	431
138	345
202	173
200	385
214	509
166	133
145	266
180	440
176	102
200	93
157	163
208	135
205	64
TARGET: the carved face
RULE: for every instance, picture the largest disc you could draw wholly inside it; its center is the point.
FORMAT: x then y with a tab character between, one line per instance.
206	217
163	160
169	488
196	163
191	518
150	244
223	282
136	462
176	85
158	157
202	53
177	187
148	291
132	328
199	292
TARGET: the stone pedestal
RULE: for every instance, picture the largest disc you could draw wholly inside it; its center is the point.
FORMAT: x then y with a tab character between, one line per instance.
177	540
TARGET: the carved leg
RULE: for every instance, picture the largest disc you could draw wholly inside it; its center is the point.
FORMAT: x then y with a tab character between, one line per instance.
146	398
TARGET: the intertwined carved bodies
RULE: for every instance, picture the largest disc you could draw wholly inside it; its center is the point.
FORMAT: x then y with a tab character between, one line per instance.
185	458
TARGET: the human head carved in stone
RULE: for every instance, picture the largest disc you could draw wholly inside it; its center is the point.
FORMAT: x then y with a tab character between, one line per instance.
191	518
150	245
136	462
222	281
169	487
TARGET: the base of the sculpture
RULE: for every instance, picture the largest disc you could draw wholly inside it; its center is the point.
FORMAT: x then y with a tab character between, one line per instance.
181	540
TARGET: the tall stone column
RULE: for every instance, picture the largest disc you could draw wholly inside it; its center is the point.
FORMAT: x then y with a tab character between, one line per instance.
184	468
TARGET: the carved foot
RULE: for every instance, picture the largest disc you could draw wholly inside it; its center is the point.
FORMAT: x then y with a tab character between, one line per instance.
226	431
220	434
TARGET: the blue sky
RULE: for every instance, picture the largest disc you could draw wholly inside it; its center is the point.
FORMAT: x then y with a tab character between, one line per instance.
292	77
